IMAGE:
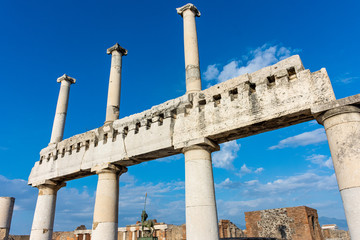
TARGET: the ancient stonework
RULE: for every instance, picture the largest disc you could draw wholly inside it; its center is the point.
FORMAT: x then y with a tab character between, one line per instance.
228	229
195	124
296	223
165	129
335	234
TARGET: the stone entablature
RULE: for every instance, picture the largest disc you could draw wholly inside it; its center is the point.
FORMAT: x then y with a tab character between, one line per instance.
273	97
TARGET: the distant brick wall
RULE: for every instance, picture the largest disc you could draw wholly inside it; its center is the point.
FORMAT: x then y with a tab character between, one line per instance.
64	236
228	229
296	223
19	237
335	234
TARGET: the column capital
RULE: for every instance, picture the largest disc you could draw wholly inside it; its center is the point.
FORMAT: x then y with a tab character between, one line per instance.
108	167
200	143
336	111
66	78
188	6
49	187
118	48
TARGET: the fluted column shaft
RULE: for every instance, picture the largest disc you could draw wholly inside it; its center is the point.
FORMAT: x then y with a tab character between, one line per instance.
43	223
113	100
201	213
105	222
342	126
6	211
192	64
61	108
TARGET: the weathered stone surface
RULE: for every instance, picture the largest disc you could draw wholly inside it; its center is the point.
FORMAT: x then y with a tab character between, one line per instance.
273	97
6	211
296	223
341	120
354	100
228	229
335	234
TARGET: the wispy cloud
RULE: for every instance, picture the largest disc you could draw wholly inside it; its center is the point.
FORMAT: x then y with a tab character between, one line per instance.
347	78
244	169
225	157
211	72
256	59
283	185
228	184
321	160
259	170
235	208
76	206
303	139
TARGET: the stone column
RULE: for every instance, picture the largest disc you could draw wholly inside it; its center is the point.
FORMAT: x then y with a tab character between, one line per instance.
43	223
105	223
61	108
192	65
342	126
6	211
113	101
201	213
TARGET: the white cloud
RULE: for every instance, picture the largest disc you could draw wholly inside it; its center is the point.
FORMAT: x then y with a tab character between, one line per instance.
162	197
348	80
211	72
284	185
76	206
303	139
259	58
228	184
321	160
289	191
244	169
235	208
225	157
247	170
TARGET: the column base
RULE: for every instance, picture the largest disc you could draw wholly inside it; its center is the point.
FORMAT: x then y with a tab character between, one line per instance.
105	231
41	234
202	222
351	198
4	233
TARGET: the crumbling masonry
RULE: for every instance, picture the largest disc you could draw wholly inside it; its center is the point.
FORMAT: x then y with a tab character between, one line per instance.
195	124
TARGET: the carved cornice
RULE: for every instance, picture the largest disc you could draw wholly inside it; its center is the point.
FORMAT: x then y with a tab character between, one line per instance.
189	6
66	78
118	48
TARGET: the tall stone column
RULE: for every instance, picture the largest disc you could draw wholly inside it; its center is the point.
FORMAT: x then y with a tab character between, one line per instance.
61	108
113	101
105	223
342	126
43	223
201	213
6	211
192	65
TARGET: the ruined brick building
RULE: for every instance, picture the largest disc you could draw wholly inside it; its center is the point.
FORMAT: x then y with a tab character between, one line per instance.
294	223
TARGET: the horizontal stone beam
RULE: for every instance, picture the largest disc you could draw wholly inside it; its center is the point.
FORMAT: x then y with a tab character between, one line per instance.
273	97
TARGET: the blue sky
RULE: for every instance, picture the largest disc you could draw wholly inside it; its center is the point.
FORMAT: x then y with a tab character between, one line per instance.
42	40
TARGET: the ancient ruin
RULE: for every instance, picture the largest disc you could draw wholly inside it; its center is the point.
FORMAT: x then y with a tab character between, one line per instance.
195	124
6	210
296	223
271	224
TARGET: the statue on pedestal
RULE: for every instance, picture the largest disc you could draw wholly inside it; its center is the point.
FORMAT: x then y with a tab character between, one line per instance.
147	226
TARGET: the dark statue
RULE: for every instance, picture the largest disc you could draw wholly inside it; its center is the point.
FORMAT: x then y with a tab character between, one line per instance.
149	224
